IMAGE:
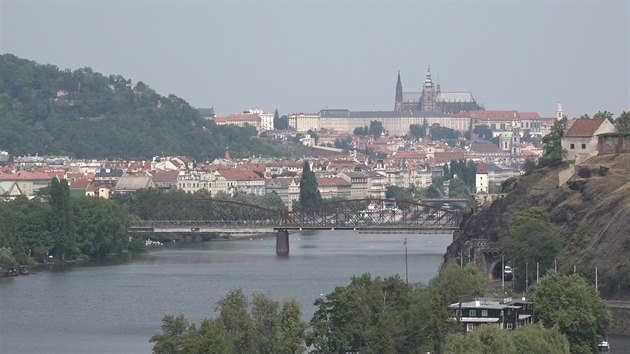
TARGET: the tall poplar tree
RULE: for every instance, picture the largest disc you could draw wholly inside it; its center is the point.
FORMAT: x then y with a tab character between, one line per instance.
62	225
309	194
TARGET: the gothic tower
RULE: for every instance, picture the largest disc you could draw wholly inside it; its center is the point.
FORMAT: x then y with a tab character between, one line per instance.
398	103
427	100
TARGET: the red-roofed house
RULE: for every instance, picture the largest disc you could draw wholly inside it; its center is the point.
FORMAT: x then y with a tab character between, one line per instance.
28	182
580	140
334	187
79	188
446	156
243	181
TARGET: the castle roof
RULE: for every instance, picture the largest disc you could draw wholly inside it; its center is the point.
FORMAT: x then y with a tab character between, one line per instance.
455	97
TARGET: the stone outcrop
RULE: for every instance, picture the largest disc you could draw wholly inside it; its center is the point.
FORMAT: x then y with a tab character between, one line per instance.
597	193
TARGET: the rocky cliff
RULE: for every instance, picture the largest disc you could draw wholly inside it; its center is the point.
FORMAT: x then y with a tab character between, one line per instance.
594	194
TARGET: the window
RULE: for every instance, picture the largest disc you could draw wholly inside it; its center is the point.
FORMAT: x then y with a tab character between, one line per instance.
469	327
583	146
472	313
484	313
572	146
509	326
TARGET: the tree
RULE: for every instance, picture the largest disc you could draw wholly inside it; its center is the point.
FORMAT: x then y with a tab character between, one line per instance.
534	339
394	192
432	191
452	284
61	220
531	237
604	114
418	131
529	165
282	123
344	143
571	304
458	189
361	131
623	122
484	132
6	259
269	327
172	338
309	194
438	132
553	152
367	316
376	128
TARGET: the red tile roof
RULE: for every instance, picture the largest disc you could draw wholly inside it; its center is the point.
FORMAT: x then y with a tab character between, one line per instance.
80	184
239	175
486	148
447	156
584	127
409	155
499	115
332	181
165	176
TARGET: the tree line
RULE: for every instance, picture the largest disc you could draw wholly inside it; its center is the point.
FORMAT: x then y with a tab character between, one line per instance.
387	315
56	226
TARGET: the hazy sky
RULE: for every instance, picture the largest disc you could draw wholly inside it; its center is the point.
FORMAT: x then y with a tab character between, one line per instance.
302	56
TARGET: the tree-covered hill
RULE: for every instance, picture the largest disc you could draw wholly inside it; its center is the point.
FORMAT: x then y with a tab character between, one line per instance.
82	113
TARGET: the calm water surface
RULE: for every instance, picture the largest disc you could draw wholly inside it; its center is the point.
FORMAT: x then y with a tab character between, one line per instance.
117	305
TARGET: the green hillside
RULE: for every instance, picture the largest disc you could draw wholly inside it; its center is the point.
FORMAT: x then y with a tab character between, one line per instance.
81	113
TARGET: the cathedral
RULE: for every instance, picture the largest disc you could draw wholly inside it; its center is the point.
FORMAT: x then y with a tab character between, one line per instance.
432	99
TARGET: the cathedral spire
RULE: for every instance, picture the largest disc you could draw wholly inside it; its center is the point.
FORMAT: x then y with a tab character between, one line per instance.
428	81
399	95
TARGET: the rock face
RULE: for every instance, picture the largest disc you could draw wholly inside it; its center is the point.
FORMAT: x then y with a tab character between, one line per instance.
596	195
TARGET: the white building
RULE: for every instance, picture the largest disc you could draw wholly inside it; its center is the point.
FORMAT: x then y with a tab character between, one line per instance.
580	140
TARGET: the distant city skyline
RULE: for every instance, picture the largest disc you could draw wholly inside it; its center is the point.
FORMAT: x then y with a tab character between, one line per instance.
306	55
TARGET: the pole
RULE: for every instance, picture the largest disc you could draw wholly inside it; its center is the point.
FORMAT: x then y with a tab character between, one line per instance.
537	272
596	288
406	265
555	265
526	278
502	272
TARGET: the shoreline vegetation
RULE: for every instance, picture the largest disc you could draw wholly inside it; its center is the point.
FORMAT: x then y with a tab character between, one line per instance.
387	315
54	227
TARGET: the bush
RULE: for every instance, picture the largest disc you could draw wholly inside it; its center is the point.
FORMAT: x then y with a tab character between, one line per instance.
584	172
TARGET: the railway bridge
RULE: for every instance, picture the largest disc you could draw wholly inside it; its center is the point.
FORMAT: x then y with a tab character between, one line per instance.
226	216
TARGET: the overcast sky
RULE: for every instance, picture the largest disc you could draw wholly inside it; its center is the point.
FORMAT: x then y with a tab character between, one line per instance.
302	56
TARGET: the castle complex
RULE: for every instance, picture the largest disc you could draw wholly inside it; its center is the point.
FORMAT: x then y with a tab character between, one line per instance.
432	99
455	110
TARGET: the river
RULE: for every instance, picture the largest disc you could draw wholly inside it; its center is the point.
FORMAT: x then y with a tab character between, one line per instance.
116	305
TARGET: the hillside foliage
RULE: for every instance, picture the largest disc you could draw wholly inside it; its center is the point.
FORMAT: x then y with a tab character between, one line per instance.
81	113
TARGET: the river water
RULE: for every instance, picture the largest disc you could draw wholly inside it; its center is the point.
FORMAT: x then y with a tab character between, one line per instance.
115	306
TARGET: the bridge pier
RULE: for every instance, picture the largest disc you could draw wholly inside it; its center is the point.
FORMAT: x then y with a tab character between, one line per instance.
282	243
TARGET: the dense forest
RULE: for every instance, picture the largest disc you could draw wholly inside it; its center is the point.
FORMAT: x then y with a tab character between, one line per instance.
81	113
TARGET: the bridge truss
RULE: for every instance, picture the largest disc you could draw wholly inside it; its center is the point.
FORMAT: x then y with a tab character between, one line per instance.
358	214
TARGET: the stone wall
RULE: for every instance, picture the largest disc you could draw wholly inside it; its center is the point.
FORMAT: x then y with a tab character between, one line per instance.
620	311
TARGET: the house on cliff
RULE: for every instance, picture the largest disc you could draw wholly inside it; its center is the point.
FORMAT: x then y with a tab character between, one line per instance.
580	140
